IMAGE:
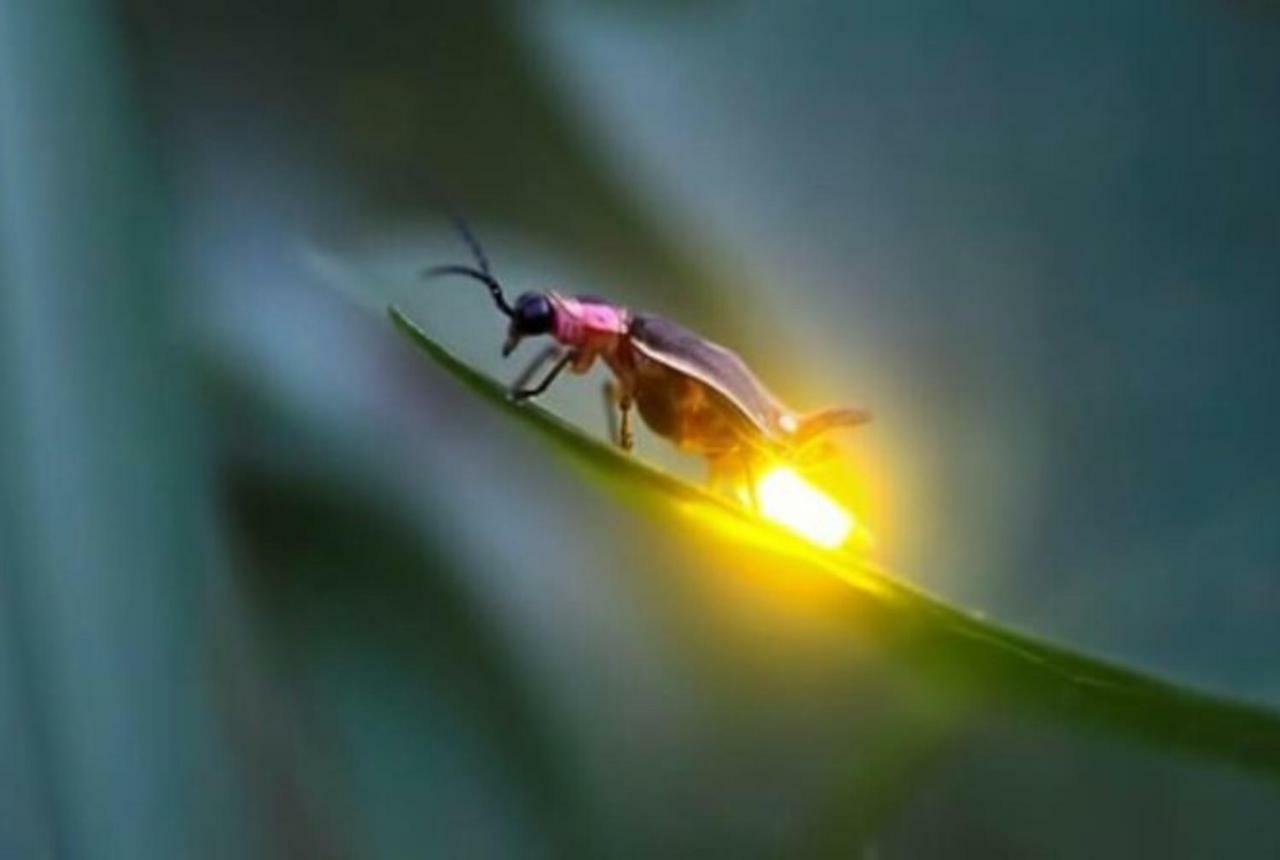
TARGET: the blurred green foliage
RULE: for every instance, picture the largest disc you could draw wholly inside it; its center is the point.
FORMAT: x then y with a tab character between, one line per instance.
269	589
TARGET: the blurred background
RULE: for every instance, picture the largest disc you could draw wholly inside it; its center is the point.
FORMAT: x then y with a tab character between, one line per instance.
272	585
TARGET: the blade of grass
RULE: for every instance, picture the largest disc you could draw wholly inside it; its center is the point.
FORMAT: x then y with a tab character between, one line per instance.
954	649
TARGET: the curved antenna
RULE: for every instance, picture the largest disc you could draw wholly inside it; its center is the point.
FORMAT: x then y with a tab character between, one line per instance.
495	289
472	242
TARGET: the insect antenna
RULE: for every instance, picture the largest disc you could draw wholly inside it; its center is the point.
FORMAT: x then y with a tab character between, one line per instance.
472	242
482	274
495	289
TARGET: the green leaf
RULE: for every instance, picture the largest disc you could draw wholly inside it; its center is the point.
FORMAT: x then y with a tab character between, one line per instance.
960	655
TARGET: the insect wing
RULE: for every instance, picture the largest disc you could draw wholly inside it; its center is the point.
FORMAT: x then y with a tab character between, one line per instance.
676	347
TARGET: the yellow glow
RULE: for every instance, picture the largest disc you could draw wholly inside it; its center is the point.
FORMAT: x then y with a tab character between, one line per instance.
792	502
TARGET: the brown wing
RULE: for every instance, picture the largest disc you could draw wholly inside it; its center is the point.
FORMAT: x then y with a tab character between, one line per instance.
674	346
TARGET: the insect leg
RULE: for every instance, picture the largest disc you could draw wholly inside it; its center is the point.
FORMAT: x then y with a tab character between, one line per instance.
610	411
725	473
718	478
625	437
617	404
531	369
526	393
751	481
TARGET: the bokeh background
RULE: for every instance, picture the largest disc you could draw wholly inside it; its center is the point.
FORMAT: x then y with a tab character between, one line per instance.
271	585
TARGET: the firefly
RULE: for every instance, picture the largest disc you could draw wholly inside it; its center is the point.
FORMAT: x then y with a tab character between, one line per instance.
699	395
792	502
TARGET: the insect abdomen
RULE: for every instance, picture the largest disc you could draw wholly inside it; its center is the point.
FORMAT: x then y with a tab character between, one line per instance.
686	411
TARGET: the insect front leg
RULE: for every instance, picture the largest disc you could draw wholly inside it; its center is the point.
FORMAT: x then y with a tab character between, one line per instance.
531	369
526	393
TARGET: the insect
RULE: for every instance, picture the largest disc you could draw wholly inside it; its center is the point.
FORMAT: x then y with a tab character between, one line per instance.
699	395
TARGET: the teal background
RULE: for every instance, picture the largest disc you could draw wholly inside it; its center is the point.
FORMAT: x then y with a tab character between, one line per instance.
271	585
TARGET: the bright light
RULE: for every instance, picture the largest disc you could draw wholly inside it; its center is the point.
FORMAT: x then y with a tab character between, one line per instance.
791	501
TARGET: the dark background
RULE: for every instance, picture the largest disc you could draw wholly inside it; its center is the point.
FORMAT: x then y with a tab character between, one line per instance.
271	585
